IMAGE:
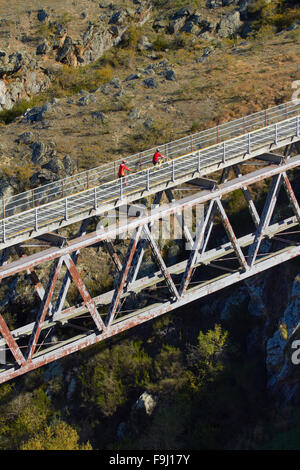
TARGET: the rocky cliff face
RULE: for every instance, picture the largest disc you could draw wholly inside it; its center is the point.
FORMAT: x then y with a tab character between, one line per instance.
52	40
283	375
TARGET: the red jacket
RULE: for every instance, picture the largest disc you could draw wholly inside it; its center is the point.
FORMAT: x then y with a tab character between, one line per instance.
156	157
122	169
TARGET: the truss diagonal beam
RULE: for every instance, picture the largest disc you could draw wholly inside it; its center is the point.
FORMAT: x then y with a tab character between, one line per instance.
223	179
89	302
44	307
194	252
252	208
231	235
291	196
123	276
160	262
142	245
10	341
67	278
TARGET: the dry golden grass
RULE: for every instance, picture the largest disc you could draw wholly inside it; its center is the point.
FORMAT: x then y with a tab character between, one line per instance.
232	83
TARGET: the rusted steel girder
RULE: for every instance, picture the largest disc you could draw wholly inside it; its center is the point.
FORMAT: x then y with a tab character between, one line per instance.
90	304
44	308
265	217
123	276
205	258
156	214
177	298
142	316
249	200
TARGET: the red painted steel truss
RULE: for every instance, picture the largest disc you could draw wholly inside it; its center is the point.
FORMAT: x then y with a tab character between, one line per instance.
165	287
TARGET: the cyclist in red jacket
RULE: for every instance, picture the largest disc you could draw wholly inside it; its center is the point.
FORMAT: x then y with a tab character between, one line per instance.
157	157
122	169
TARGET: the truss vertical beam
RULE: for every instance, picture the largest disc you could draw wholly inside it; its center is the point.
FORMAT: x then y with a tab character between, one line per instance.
265	218
194	252
123	276
142	245
67	278
223	179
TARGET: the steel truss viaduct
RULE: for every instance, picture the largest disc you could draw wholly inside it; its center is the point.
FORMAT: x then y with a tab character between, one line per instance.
221	252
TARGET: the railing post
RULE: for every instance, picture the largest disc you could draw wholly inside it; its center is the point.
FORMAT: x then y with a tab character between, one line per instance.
199	161
121	188
3	228
249	143
33	198
148	180
297	127
224	153
95	198
276	134
173	171
66	208
87	179
3	204
36	219
62	188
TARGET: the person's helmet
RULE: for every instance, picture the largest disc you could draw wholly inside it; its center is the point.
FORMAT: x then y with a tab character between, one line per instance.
124	161
157	150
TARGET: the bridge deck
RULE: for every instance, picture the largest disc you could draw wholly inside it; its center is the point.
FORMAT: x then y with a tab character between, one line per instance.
182	167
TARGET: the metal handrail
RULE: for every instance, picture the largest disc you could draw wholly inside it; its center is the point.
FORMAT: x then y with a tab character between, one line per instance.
192	164
94	177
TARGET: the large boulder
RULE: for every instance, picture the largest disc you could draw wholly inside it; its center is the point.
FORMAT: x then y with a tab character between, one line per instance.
5	98
55	165
6	189
142	410
230	25
43	48
41	152
69	165
150	83
43	176
25	138
118	17
10	64
36	114
42	15
214	3
176	25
